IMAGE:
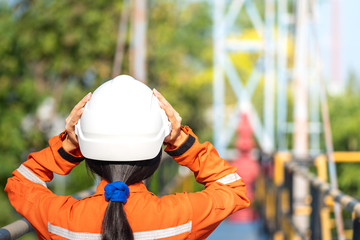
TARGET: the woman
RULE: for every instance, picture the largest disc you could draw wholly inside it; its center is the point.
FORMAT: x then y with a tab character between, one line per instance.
119	134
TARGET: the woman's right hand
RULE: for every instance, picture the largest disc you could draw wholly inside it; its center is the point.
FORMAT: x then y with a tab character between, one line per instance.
71	143
176	136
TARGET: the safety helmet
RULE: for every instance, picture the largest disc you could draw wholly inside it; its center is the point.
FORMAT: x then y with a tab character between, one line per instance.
122	122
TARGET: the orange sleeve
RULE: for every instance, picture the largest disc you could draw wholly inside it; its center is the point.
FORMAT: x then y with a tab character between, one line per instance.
27	189
225	191
53	159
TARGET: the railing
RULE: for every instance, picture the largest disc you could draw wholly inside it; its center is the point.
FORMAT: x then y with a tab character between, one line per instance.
15	230
276	195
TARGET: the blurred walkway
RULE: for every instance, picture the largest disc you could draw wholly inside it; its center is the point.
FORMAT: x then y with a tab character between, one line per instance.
231	231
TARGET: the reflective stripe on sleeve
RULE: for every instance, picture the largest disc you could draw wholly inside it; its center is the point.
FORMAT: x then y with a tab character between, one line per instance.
65	233
229	178
29	175
163	233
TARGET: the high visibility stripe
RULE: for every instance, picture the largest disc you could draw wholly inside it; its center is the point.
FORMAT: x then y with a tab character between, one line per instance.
148	235
163	233
65	233
28	174
229	178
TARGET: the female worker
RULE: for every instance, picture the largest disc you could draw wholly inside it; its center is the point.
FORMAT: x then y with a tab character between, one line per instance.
119	133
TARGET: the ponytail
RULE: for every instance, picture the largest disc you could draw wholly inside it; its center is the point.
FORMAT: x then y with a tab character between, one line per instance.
115	225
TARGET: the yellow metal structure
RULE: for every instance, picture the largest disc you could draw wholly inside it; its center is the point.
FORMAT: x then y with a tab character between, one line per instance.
279	210
278	236
321	167
346	157
280	159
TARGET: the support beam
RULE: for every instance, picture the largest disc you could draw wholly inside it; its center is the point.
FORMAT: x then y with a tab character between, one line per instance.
301	131
138	41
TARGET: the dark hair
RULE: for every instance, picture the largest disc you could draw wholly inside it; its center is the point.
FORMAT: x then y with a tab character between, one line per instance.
115	224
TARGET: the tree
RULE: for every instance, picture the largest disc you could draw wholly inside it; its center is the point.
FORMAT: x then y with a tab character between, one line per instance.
64	49
345	115
49	48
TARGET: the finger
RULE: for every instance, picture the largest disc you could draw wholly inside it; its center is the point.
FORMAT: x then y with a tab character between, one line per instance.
178	118
165	105
80	105
161	98
172	115
172	118
82	102
76	117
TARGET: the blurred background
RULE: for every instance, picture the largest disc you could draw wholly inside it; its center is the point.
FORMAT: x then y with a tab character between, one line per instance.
254	77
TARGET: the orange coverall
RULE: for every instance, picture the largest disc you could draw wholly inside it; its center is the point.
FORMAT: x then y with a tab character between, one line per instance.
177	216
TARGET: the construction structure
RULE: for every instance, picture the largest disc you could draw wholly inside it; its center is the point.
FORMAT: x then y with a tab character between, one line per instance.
286	47
288	54
133	14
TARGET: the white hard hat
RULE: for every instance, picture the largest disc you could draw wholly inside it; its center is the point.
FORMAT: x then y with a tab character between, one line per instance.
122	122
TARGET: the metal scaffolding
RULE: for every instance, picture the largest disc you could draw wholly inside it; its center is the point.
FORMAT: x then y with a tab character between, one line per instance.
272	66
137	51
225	15
286	31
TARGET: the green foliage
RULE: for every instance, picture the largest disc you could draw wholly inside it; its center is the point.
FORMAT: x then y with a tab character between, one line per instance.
48	48
18	97
65	38
180	57
347	175
80	179
345	115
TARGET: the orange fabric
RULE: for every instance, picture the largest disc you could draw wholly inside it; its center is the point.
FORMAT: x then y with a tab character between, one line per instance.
201	211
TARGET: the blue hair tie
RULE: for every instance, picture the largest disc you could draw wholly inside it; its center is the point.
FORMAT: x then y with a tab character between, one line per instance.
116	192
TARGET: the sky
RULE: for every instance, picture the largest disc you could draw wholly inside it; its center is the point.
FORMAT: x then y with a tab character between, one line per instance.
349	37
350	20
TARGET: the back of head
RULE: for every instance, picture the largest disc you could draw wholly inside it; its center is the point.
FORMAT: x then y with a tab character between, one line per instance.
120	134
122	122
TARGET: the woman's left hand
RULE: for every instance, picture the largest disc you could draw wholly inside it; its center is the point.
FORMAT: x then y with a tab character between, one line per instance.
71	143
